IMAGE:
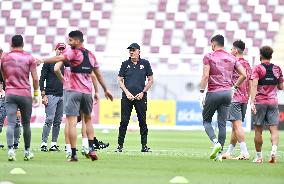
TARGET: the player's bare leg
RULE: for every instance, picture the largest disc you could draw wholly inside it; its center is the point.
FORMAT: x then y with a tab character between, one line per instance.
85	143
72	122
258	141
240	135
90	135
274	141
67	141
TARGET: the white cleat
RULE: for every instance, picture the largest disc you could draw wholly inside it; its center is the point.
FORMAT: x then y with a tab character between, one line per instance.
28	156
11	155
242	157
227	156
258	160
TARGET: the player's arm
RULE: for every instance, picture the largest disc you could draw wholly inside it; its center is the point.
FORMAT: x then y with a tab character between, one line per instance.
57	71
205	77
94	80
100	78
280	86
51	60
242	75
249	88
35	82
253	94
280	81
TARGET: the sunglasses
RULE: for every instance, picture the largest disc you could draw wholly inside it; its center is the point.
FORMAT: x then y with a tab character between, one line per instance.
61	48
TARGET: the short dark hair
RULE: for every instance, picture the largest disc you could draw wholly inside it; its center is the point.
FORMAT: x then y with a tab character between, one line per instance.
219	39
266	52
17	41
240	45
76	34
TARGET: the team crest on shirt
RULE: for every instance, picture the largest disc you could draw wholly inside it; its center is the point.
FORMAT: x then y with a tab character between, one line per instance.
128	66
141	67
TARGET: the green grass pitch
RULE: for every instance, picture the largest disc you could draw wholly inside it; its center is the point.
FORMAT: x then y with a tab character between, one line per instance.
174	153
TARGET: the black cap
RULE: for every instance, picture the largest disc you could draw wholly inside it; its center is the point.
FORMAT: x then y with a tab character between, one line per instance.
134	46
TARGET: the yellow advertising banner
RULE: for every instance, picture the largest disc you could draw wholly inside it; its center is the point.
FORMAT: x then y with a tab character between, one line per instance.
159	112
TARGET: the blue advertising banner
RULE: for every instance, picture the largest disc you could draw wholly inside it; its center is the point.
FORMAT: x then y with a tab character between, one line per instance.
188	114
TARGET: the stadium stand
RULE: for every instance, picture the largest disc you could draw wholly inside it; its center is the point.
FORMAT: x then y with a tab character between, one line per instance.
186	26
45	22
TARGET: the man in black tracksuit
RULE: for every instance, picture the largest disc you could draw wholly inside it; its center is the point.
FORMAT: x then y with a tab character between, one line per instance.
51	93
131	78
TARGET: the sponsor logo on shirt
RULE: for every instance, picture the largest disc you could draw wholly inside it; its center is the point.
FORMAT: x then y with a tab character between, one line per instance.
141	67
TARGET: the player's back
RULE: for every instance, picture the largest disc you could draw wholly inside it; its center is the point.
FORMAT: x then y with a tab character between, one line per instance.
16	67
267	94
222	65
242	93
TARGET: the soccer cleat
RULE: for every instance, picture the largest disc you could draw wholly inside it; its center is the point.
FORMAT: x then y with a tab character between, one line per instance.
28	156
68	156
145	148
54	148
272	159
11	155
101	145
43	148
217	147
15	146
119	148
93	155
218	158
227	156
258	160
1	146
85	152
242	157
73	159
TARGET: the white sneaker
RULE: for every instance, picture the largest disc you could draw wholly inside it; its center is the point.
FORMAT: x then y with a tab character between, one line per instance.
217	147
258	160
227	156
28	155
85	151
242	157
68	156
11	155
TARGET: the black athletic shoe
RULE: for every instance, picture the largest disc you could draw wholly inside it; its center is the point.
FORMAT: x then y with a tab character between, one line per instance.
54	148
101	145
1	146
73	159
119	148
16	146
145	149
44	148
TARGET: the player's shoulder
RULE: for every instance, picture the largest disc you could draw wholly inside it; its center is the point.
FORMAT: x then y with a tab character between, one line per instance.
244	62
259	68
277	68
